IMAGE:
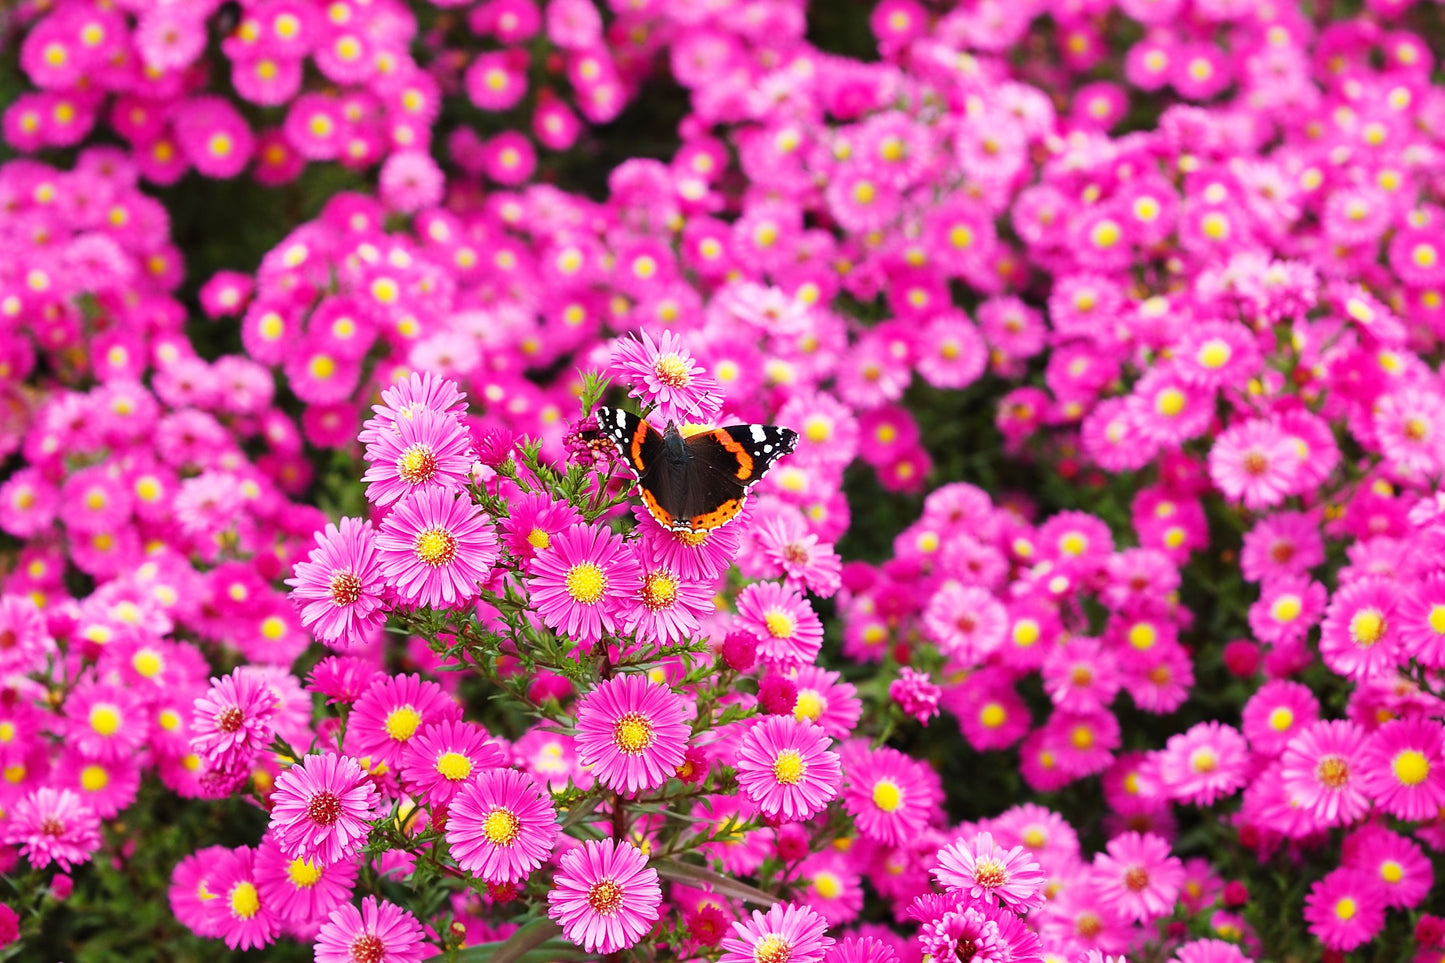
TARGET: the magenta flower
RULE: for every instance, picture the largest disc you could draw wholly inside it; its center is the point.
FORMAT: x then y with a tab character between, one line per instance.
581	582
501	826
53	826
379	931
320	808
984	869
301	890
605	896
436	548
1359	638
1207	762
1343	910
444	757
1138	876
889	796
236	912
632	734
234	720
339	590
1402	768
395	710
787	932
1255	462
429	448
788	631
787	769
1321	771
663	373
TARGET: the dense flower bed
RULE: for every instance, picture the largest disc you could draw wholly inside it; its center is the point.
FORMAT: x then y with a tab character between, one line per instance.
1097	608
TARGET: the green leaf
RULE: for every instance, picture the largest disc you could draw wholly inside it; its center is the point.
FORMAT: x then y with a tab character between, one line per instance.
536	942
690	874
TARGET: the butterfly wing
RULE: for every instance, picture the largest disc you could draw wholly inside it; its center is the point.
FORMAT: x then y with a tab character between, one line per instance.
722	465
662	484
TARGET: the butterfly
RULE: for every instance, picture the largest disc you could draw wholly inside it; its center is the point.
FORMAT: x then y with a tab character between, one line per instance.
698	482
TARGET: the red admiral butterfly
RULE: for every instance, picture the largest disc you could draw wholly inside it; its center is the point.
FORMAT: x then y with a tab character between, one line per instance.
696	483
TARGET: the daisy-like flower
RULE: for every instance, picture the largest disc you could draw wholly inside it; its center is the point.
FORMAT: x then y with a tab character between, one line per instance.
320	808
1401	871
234	720
436	547
662	372
785	766
666	608
412	393
631	733
444	757
889	797
339	590
1358	638
429	448
1321	772
301	890
1343	910
391	713
788	631
236	911
378	932
1255	462
580	582
1402	768
501	826
53	826
1205	763
605	896
985	870
1138	876
787	933
105	721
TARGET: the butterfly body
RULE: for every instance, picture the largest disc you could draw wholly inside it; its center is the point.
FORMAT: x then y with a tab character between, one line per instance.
699	482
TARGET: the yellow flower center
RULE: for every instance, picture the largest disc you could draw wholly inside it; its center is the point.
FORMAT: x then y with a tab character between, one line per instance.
454	766
632	733
245	902
435	547
94	778
586	583
105	719
993	715
1345	909
1411	767
303	873
886	795
539	539
1367	627
1286	608
1281	719
780	624
501	827
809	707
402	722
1170	402
417	464
672	371
789	767
659	590
772	949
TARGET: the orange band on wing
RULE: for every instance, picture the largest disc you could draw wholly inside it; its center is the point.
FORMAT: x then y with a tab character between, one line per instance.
638	437
745	460
720	516
664	517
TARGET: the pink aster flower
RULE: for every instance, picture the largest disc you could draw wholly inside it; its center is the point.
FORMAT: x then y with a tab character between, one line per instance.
667	607
1402	768
339	589
1208	762
105	721
986	870
632	733
605	896
889	796
444	757
501	826
320	808
1276	713
53	826
579	584
786	768
430	448
1255	462
234	720
1358	638
378	932
300	890
1343	910
787	932
391	713
1138	876
663	373
236	912
788	631
436	548
1398	866
1321	772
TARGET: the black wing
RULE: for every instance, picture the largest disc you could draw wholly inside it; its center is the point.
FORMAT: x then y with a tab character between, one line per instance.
723	464
663	485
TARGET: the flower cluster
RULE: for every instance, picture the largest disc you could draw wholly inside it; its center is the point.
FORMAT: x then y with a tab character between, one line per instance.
1110	339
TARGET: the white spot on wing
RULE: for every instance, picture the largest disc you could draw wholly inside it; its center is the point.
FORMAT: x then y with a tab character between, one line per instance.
759	433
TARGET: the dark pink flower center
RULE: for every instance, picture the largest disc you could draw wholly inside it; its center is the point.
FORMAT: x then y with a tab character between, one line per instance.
324	808
345	588
230	719
368	949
